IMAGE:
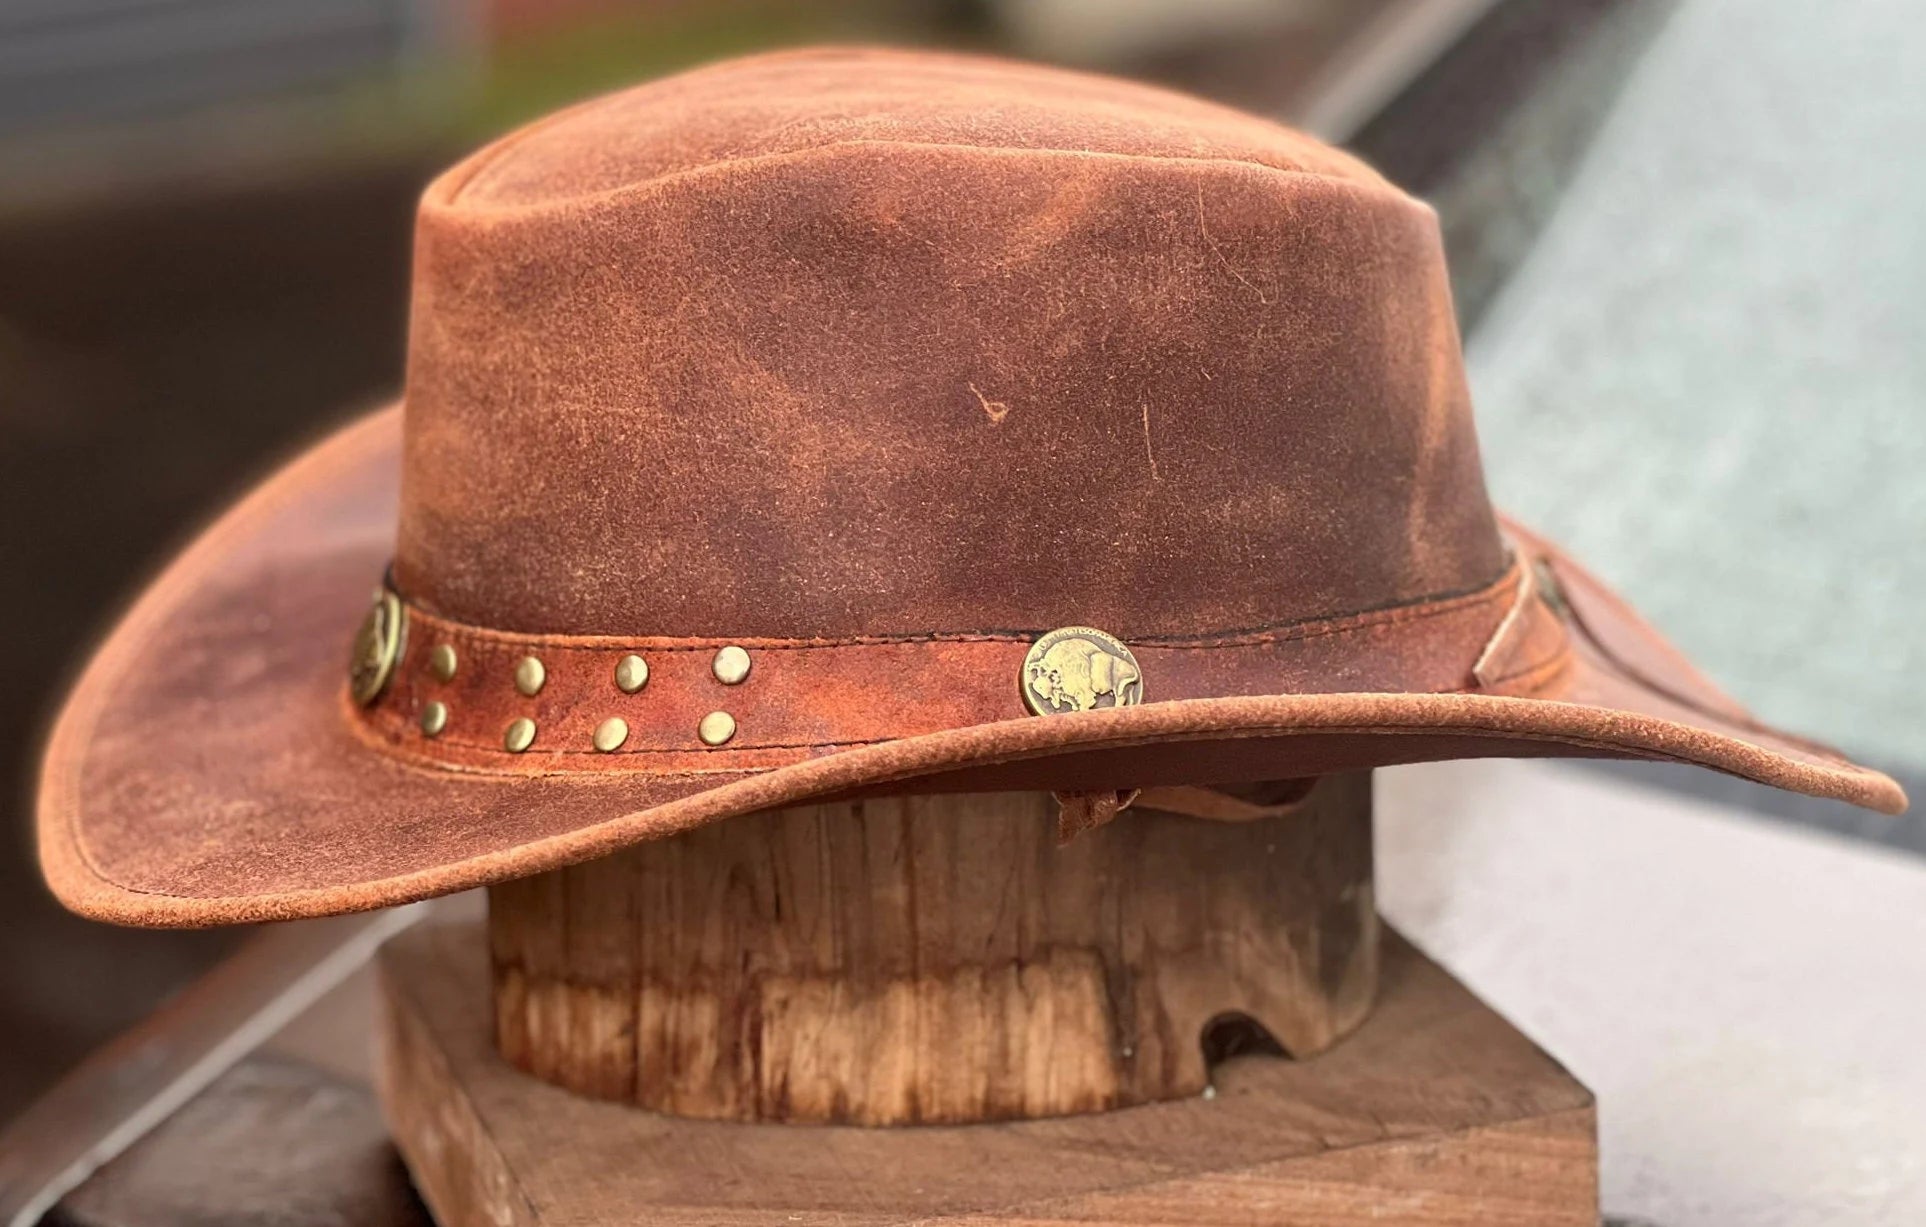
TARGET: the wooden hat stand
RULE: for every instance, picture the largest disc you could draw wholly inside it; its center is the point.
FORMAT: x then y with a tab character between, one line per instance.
921	1008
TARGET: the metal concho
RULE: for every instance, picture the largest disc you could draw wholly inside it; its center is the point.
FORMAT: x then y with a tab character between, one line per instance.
376	646
1079	668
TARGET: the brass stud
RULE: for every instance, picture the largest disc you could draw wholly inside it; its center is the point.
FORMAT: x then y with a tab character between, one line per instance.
631	674
530	676
611	733
441	662
716	728
731	665
434	718
519	736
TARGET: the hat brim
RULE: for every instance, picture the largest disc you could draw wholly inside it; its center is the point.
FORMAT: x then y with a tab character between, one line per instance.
202	771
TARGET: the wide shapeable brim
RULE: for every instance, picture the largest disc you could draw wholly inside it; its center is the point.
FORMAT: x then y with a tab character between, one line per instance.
204	772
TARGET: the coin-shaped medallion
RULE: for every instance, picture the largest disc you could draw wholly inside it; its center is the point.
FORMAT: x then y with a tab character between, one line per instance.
1079	668
376	645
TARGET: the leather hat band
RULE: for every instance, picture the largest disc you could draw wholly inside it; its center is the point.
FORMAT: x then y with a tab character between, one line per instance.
470	697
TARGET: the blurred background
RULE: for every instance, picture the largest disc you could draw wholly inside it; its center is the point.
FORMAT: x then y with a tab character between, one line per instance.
1685	234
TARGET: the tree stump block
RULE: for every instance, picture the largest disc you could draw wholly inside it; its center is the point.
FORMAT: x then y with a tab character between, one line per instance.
1434	1113
979	1008
940	959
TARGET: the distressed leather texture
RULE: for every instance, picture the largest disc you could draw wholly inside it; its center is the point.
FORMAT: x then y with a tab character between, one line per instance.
803	698
860	343
878	364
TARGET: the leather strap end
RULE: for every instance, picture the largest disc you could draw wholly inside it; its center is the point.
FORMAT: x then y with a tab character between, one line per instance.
1078	812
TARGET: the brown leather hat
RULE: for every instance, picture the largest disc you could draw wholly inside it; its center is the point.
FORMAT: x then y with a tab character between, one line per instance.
844	421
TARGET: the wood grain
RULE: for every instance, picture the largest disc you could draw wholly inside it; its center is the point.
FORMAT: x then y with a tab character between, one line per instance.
936	959
1434	1112
273	1142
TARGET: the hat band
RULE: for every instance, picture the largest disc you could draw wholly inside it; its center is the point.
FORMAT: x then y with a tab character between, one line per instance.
473	698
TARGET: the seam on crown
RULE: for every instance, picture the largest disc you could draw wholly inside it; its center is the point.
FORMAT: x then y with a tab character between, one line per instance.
471	168
1402	612
491	157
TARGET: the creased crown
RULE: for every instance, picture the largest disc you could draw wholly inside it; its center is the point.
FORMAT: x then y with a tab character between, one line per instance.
856	343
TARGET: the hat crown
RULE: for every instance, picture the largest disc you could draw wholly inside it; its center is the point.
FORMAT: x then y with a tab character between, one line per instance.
877	343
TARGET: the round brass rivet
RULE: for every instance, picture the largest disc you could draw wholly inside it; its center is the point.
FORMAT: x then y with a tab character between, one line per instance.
376	645
529	676
441	662
631	674
716	728
520	735
611	733
434	717
731	665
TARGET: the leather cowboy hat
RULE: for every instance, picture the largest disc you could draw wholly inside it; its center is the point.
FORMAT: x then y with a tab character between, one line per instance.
842	421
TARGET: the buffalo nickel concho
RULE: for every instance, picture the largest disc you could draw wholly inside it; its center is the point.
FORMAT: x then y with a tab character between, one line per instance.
376	645
1079	668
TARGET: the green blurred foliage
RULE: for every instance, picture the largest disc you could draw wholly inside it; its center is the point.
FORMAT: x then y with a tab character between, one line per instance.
530	76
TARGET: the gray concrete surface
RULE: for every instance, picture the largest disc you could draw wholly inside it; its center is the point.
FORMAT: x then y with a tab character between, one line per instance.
1744	999
1710	375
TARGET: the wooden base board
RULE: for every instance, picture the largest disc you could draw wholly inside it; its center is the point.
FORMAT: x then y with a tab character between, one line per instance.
1436	1111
